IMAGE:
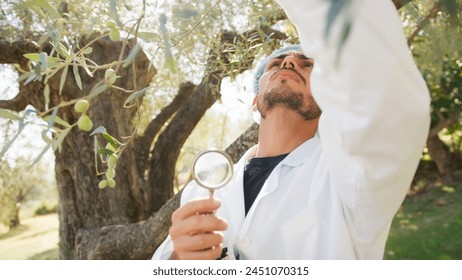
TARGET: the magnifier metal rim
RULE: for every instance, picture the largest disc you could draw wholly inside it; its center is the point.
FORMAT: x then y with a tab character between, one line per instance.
228	178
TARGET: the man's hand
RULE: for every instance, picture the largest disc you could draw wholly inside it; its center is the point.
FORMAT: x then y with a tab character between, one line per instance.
195	231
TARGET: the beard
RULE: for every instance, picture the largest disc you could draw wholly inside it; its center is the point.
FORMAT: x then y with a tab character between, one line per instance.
283	96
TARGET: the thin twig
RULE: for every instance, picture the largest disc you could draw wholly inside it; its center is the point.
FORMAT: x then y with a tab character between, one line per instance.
197	23
433	12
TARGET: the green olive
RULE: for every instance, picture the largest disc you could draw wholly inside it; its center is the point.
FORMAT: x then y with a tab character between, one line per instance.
111	183
81	106
110	23
110	173
114	35
112	161
110	76
102	184
85	123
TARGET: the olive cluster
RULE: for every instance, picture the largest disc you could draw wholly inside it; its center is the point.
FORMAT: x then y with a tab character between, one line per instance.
110	172
84	122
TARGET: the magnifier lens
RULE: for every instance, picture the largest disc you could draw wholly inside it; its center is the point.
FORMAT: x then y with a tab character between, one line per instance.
212	170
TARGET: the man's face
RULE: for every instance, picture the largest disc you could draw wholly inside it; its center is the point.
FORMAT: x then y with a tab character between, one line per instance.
286	82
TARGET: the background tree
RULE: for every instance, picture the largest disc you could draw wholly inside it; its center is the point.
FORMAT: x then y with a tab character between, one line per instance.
20	185
149	75
436	41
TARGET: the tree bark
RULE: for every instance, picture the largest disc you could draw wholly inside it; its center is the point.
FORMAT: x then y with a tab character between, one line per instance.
13	52
400	3
445	160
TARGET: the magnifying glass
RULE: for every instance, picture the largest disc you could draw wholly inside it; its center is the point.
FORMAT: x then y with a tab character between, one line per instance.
212	170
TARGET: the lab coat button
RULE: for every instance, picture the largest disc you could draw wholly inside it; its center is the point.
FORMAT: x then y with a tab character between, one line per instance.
244	242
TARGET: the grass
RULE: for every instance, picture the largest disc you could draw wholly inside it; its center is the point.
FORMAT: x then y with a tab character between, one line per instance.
428	226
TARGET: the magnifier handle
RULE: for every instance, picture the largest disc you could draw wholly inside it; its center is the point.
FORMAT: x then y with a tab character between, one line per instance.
211	196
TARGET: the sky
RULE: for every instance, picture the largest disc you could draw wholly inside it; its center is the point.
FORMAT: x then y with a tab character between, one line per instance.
26	145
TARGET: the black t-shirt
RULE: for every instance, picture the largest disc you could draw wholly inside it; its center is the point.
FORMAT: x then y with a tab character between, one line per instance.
255	174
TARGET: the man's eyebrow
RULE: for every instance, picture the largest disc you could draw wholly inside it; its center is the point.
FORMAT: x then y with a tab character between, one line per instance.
299	55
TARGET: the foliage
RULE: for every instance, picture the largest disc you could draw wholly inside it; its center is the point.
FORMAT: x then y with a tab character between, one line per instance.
435	32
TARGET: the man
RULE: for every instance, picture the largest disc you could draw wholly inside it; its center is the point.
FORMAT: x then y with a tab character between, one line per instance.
318	185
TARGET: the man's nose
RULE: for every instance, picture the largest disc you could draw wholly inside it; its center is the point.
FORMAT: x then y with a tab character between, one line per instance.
288	63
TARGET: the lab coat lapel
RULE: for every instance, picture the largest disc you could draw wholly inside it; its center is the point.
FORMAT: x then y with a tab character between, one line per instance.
235	200
235	195
268	187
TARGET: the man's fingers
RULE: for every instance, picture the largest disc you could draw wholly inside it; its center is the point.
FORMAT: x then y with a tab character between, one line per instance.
194	207
195	232
198	242
198	224
209	254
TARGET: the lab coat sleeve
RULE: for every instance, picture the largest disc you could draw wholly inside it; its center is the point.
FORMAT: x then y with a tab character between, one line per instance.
375	107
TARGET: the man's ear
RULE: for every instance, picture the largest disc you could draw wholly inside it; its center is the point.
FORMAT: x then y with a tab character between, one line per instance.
254	103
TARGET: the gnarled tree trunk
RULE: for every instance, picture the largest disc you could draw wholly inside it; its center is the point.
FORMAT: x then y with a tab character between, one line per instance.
82	204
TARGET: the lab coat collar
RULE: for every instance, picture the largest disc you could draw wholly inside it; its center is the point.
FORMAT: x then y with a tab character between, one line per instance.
298	156
295	158
302	152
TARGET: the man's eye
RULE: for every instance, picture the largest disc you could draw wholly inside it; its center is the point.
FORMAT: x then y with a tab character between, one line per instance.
274	64
308	64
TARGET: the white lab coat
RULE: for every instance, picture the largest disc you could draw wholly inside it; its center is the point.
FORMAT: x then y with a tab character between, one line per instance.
334	196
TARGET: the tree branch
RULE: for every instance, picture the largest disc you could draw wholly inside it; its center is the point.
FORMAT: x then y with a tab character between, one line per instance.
17	104
443	123
400	3
243	143
31	93
249	38
433	12
445	160
144	143
127	242
13	52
